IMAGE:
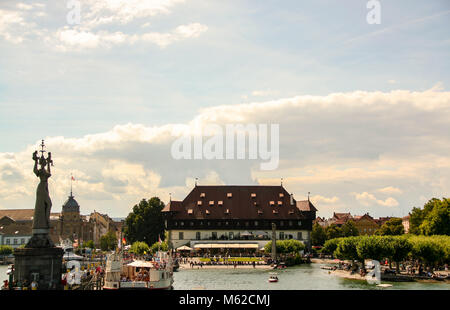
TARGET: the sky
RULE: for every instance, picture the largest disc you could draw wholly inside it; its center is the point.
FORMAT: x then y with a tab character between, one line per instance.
363	109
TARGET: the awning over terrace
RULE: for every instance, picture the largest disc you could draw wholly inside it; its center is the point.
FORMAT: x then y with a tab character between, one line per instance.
226	246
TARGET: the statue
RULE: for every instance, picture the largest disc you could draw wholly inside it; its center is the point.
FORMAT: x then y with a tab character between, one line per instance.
41	219
40	261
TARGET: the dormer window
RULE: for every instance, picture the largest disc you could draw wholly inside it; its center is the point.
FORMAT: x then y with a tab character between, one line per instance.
280	202
229	195
227	211
211	202
190	211
253	195
260	212
207	212
272	202
220	202
281	195
275	211
199	203
202	195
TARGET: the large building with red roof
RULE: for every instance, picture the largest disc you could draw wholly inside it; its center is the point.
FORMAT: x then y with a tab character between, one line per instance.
237	217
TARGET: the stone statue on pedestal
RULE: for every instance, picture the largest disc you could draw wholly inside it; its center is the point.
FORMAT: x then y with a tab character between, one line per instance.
41	219
40	261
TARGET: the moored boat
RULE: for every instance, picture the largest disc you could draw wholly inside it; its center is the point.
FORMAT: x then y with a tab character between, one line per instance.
139	274
273	277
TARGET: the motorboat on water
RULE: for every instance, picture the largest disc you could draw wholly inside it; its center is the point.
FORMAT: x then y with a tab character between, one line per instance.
273	277
139	274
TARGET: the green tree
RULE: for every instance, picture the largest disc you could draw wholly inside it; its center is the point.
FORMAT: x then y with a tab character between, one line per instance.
427	250
290	246
371	247
318	235
333	231
330	246
437	221
139	248
433	219
349	229
108	241
6	250
145	223
157	246
393	227
347	249
399	248
88	244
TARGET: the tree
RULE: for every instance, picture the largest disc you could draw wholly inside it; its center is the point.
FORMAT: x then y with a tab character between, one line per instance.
318	235
6	250
437	221
88	244
427	250
290	246
347	249
139	248
330	246
157	246
108	241
393	227
349	229
399	248
433	219
333	231
145	223
371	247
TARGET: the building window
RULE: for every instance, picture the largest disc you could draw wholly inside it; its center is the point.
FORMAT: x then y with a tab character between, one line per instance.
22	241
182	223
197	235
209	223
281	195
180	235
202	195
253	195
199	203
281	223
290	223
299	235
8	241
281	235
229	195
211	202
191	223
15	241
299	223
220	202
226	223
256	223
247	223
231	235
214	235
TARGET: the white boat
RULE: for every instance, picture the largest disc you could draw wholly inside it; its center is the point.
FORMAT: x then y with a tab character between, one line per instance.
273	277
139	274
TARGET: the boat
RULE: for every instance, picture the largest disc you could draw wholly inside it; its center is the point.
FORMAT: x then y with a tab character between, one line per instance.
139	274
273	277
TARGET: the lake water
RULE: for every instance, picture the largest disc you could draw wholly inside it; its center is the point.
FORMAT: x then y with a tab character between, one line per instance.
304	277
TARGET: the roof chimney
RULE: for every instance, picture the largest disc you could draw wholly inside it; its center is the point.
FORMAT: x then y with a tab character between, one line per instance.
292	199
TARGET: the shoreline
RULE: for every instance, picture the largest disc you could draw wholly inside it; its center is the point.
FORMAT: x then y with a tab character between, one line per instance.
188	267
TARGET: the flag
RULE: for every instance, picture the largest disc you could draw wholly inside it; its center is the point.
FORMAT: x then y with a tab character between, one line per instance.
124	241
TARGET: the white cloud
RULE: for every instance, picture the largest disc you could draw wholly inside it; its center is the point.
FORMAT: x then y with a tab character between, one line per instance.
390	190
368	199
317	199
320	151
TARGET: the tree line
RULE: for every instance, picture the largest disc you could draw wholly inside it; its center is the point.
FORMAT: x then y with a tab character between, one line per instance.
433	219
429	250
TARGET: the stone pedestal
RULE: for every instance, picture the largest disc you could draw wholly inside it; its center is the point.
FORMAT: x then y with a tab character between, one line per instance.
40	264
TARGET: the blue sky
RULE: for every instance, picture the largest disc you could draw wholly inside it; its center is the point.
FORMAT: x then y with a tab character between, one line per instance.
55	84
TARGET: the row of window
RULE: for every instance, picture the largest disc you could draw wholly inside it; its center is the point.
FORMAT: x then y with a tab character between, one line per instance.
231	235
228	223
7	241
229	195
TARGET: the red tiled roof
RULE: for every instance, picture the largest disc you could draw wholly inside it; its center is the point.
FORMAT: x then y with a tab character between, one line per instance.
241	204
